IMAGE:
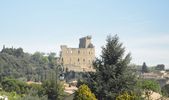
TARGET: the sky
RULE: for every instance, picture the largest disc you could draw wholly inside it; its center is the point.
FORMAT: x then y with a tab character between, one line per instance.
44	25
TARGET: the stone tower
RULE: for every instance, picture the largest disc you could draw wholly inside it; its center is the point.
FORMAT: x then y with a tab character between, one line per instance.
85	42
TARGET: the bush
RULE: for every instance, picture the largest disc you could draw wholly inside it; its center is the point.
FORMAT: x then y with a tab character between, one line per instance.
127	96
37	87
165	90
149	85
84	93
12	85
33	95
10	95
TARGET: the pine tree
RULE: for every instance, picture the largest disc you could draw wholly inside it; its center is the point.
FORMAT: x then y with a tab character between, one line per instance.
113	74
53	87
144	68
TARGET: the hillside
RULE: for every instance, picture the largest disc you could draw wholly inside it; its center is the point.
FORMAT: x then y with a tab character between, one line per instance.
17	64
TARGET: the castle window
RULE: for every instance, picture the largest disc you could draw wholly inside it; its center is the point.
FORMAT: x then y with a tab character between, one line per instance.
78	52
89	52
78	60
71	51
83	60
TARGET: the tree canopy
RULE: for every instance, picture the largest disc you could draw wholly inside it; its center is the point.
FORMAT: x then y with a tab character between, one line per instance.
113	74
24	66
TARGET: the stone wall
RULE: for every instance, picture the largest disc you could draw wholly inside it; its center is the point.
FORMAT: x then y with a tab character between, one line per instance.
78	59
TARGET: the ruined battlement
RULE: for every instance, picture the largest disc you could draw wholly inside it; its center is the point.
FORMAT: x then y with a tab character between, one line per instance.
79	59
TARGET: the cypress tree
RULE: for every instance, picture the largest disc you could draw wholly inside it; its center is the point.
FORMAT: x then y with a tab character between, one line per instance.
144	68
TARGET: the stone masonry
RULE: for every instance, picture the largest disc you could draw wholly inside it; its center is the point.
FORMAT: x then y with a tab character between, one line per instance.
78	59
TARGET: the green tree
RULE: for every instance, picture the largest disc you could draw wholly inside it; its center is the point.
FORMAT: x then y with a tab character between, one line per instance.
19	52
144	68
113	73
148	87
165	90
51	56
53	87
84	93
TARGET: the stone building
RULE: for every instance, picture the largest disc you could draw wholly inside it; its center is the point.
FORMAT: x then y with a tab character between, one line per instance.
78	59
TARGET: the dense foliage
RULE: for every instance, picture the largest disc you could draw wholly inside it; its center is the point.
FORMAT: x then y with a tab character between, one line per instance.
50	89
149	85
84	93
127	96
12	85
17	67
113	74
17	64
10	95
165	90
19	90
53	89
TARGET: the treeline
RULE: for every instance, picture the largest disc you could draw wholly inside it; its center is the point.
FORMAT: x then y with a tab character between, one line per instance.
15	63
50	89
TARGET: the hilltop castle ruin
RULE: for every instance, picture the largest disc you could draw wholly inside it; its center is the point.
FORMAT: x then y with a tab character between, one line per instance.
78	59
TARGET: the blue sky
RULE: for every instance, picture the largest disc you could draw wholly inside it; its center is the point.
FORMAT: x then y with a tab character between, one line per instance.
43	25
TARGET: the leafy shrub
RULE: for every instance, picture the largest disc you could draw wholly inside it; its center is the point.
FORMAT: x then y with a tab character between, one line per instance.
37	87
12	85
150	85
33	95
11	95
84	93
127	96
